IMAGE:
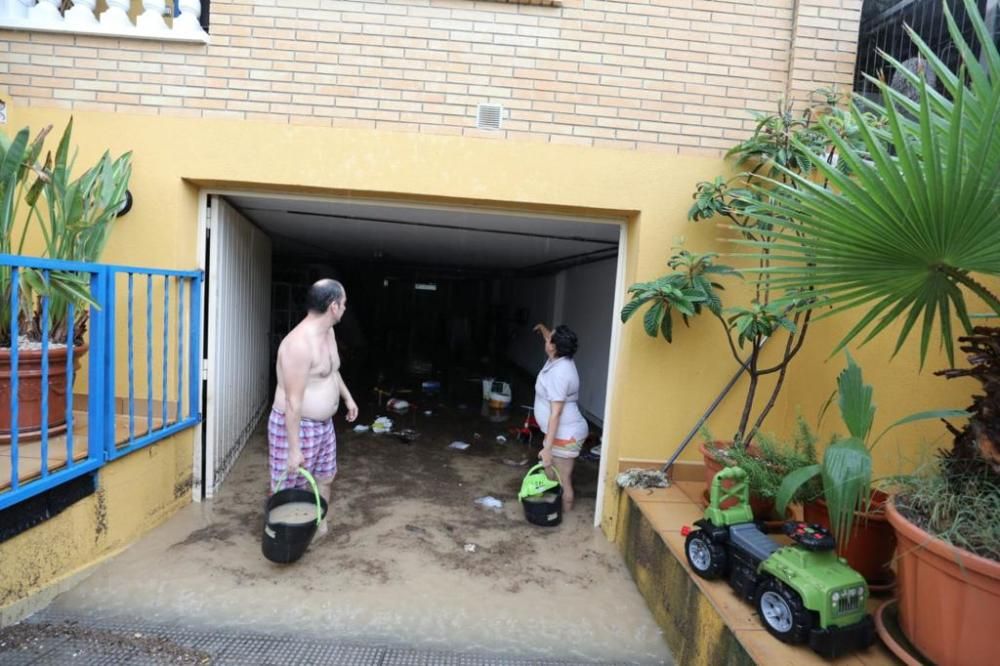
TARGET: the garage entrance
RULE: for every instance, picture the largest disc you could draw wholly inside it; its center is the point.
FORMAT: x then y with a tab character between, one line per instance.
439	298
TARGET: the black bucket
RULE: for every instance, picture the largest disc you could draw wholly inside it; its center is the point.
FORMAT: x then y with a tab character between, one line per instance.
284	543
545	509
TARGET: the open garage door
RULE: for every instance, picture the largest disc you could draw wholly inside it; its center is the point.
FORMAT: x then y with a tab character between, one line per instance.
238	257
445	296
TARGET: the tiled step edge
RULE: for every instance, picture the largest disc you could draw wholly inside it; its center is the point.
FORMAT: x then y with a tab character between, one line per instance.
694	630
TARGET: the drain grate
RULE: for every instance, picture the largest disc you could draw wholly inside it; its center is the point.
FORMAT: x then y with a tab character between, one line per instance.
58	637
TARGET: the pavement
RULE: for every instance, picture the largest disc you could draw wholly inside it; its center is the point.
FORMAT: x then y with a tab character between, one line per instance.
52	637
416	569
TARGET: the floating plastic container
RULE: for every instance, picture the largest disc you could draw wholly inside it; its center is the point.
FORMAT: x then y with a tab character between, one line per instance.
430	387
397	405
497	394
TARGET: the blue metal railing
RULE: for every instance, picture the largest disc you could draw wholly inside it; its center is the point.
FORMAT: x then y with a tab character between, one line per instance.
30	460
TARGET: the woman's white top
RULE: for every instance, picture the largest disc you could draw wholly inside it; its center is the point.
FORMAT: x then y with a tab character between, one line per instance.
558	381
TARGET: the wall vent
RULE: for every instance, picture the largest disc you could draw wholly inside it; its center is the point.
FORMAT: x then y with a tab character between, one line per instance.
488	116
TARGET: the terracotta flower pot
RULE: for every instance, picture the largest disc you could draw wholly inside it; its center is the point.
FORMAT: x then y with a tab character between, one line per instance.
949	599
762	507
29	392
871	546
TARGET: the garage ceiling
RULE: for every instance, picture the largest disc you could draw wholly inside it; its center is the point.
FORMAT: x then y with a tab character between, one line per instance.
428	235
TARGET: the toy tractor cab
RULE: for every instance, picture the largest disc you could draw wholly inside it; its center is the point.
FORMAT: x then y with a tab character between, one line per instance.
802	591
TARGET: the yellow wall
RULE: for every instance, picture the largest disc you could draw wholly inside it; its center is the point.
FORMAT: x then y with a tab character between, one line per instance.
135	493
660	389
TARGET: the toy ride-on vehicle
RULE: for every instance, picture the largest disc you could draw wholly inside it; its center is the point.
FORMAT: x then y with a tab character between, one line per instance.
803	592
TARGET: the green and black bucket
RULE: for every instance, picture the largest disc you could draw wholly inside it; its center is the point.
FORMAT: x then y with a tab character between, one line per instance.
541	497
291	518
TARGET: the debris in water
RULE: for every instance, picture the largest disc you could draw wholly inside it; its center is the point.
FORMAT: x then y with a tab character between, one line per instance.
490	502
476	435
501	439
461	446
515	463
427	412
397	405
408	435
642	478
382	424
470	547
360	428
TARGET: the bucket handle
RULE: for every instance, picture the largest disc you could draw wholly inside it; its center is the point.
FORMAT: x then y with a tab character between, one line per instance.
541	466
312	482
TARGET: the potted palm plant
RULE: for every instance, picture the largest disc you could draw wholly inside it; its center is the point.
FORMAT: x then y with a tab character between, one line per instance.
947	526
849	506
910	237
73	218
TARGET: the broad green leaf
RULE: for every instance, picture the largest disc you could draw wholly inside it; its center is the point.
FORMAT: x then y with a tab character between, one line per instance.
846	472
790	485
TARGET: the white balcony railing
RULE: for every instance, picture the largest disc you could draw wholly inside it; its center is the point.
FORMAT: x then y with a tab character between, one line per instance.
82	18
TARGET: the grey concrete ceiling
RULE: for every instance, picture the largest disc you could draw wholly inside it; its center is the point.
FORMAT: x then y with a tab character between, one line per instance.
427	235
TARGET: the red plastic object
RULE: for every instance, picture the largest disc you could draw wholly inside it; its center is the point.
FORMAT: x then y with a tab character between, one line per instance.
685	531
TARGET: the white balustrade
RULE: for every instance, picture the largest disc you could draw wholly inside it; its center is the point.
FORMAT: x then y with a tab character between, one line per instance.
82	17
115	17
151	19
15	9
46	13
187	23
81	13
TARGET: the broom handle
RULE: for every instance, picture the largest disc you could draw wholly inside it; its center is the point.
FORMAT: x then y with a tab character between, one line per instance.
708	412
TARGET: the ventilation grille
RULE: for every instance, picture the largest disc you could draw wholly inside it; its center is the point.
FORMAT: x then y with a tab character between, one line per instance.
488	116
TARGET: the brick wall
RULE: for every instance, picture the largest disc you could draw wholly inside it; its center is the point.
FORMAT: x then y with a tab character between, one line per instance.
676	75
825	45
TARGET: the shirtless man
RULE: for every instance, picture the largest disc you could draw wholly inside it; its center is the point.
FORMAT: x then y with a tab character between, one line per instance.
300	430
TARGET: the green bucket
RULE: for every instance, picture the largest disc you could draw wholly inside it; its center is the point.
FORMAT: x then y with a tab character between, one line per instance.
541	497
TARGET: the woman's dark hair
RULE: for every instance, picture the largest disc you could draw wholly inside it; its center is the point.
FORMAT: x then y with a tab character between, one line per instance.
322	293
564	340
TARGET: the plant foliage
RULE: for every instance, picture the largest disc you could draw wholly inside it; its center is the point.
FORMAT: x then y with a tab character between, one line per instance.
74	217
911	220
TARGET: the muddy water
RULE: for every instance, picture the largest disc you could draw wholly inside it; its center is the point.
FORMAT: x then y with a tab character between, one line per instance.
395	568
293	513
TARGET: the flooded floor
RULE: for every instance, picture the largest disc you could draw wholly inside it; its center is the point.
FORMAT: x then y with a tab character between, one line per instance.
411	559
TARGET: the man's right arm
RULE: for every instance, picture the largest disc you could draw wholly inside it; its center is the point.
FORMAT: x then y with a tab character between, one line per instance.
294	362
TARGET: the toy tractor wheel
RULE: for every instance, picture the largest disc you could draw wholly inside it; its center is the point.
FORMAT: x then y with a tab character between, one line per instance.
782	612
708	559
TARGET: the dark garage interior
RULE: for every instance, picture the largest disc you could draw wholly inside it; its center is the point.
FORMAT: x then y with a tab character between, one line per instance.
440	298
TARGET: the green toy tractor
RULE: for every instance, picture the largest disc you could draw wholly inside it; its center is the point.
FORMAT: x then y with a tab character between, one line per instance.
803	592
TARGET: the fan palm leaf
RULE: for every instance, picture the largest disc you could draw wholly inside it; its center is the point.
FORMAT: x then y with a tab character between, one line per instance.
913	228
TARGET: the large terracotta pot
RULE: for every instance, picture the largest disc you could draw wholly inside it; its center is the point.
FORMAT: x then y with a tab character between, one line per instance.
949	599
762	507
29	392
871	546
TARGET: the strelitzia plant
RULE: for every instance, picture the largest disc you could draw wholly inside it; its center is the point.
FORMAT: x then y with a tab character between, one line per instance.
74	217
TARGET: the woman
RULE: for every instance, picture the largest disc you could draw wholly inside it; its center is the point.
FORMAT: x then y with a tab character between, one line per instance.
557	391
